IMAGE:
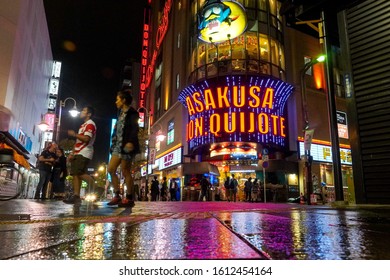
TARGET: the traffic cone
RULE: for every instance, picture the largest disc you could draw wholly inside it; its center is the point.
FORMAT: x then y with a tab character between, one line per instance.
302	199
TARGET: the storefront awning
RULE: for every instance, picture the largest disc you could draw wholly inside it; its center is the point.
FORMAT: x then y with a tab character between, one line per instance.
20	153
200	168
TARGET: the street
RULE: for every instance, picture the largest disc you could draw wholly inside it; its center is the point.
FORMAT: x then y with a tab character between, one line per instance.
52	230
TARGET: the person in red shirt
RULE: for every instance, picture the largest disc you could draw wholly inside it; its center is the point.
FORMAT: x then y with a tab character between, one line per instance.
82	153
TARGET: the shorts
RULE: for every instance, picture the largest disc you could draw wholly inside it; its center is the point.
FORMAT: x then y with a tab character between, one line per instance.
127	157
78	165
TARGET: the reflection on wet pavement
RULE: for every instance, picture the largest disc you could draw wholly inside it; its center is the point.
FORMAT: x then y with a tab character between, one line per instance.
191	230
311	235
154	239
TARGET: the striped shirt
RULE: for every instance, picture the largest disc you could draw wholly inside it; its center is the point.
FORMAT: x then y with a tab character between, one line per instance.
82	148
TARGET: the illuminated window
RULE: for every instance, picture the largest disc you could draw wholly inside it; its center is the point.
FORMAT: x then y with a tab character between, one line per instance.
262	4
264	48
171	132
252	45
201	54
272	7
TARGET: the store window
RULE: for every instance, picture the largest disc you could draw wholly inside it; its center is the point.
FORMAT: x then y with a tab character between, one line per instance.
274	52
250	3
272	7
264	47
252	45
201	54
262	5
212	53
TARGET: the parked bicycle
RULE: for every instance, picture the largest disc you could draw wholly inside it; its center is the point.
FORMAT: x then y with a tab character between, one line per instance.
11	179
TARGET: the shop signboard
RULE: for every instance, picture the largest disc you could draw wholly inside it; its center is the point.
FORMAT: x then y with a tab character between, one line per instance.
342	125
170	159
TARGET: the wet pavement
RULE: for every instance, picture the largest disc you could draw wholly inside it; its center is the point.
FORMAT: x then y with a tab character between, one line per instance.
52	230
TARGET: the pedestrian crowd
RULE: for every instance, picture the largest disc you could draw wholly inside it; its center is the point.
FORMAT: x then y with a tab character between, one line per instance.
125	146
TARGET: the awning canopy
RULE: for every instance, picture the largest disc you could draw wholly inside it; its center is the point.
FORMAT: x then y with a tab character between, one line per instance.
8	142
200	168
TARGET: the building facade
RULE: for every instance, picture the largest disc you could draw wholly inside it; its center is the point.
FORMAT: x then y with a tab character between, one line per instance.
26	68
222	84
366	37
26	64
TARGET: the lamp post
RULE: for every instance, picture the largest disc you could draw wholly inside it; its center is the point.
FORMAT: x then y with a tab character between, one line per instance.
332	115
73	112
308	133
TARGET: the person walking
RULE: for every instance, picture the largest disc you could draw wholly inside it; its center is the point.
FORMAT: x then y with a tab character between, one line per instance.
248	189
60	172
164	189
125	146
82	154
205	185
154	188
228	190
45	164
172	189
234	188
255	191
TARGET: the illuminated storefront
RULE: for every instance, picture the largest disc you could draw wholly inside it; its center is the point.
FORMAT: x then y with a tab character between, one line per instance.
236	99
218	89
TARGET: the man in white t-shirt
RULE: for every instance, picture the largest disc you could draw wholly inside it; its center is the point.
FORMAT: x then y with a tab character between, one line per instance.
82	153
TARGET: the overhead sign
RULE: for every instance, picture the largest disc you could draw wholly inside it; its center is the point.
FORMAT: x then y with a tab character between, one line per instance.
236	109
220	21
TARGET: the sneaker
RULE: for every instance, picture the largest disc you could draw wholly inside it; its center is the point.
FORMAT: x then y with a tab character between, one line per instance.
126	203
115	200
75	199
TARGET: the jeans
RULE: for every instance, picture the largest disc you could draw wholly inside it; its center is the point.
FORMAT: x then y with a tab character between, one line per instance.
44	177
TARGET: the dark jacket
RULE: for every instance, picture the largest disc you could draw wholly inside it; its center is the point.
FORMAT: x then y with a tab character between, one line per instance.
130	131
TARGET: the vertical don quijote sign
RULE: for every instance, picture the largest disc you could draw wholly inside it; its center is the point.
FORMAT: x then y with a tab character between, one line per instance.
236	108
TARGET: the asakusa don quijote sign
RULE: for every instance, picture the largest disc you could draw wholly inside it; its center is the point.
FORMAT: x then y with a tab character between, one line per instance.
236	109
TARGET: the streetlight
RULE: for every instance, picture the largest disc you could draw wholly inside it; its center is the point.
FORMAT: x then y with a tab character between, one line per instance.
73	112
308	133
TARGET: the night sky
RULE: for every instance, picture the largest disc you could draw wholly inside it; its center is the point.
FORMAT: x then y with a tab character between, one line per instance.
93	39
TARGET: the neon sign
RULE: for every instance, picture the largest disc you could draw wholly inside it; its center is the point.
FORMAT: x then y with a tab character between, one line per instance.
236	109
219	21
144	64
161	32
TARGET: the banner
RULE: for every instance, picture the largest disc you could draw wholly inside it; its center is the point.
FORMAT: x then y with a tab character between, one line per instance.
308	139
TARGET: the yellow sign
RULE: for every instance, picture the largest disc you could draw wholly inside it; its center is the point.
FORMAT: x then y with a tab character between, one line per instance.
219	21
